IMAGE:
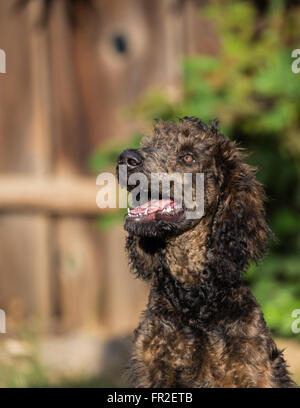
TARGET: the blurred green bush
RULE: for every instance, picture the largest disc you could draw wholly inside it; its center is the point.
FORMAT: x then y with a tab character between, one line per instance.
250	87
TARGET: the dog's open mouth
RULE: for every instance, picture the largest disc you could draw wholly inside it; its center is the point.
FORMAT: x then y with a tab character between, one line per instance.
156	210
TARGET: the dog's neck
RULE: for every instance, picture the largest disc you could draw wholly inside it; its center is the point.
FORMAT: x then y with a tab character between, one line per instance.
181	273
184	255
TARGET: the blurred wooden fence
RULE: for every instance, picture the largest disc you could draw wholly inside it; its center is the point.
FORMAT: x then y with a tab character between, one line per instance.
59	99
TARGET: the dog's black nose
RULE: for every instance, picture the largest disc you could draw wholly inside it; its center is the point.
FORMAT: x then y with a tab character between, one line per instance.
131	158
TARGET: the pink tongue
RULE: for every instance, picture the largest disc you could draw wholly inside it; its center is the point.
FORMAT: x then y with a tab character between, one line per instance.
153	206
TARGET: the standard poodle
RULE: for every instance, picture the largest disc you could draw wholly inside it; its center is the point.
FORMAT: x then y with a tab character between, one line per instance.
202	326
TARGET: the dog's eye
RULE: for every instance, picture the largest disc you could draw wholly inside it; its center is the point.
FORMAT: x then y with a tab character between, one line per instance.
188	158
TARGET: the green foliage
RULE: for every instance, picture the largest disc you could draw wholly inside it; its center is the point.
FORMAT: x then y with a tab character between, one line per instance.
105	222
249	86
105	157
29	372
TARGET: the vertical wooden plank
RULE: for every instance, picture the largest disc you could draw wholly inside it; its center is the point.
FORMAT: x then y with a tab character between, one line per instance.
79	255
15	104
23	268
24	135
70	133
125	49
199	35
78	272
126	296
41	117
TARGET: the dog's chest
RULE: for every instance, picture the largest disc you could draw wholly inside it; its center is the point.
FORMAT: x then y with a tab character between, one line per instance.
172	357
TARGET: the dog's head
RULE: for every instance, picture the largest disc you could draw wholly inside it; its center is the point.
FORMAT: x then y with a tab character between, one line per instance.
232	198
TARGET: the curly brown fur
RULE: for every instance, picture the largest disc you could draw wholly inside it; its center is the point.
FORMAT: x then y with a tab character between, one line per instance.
202	326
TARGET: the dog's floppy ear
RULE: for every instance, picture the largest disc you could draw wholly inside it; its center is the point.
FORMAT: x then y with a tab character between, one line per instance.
240	231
